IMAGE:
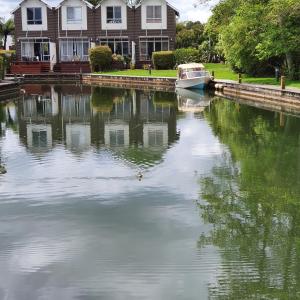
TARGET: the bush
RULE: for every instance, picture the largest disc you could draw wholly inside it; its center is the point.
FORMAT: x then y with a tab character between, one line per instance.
163	60
1	67
100	58
118	57
187	55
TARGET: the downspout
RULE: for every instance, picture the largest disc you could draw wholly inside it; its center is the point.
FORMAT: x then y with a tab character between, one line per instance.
58	36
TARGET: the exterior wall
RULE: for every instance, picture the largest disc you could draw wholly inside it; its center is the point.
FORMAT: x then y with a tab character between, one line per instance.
120	26
34	3
20	34
76	32
149	26
63	15
170	32
94	29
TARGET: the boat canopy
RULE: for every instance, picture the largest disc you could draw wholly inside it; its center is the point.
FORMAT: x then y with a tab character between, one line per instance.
191	67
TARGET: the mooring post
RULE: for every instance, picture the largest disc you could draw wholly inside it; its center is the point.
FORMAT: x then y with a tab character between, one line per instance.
240	78
282	83
212	75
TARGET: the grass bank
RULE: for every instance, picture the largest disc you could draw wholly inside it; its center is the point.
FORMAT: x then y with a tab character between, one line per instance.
222	71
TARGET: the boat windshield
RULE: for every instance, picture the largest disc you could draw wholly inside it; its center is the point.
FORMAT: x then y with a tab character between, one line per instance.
194	74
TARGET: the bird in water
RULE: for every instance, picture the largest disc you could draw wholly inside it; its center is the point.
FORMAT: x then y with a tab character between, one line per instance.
140	175
2	170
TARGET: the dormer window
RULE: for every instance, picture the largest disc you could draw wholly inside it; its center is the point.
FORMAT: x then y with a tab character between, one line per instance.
154	14
74	15
34	16
113	15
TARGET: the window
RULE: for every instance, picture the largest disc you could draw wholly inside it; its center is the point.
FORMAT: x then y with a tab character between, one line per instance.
117	45
148	45
35	50
74	15
154	14
39	139
156	137
117	137
113	15
74	50
34	16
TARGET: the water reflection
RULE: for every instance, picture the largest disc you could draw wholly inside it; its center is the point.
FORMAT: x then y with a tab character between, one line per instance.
252	198
81	116
192	100
215	215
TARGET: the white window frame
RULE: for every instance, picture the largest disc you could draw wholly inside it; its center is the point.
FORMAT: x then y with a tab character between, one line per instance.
74	48
107	40
154	18
152	39
74	21
34	20
29	52
114	20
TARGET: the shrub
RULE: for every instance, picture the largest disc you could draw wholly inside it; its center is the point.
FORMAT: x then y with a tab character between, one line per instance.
100	58
163	60
1	67
187	55
118	57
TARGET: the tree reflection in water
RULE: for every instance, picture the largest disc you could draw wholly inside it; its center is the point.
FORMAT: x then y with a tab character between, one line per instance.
252	199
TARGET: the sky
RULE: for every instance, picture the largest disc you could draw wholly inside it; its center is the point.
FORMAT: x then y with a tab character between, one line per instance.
186	8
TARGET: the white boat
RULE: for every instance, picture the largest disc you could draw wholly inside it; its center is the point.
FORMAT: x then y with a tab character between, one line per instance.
192	76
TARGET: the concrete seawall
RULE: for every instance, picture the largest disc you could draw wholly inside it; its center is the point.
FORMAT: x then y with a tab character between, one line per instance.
274	97
139	82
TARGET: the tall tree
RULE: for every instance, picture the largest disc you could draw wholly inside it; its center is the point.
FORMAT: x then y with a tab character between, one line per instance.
6	28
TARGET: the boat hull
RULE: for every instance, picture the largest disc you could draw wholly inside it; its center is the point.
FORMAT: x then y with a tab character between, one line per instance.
193	83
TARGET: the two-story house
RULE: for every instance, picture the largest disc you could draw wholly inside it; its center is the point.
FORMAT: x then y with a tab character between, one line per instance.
58	38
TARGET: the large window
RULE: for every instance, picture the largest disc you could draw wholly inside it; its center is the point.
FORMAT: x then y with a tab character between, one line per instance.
154	14
35	50
148	45
113	14
34	16
74	49
74	15
117	45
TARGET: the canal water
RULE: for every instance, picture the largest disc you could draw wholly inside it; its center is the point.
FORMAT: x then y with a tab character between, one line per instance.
129	194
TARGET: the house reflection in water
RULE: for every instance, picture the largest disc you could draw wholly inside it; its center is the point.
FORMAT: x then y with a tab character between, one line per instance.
38	108
80	117
76	118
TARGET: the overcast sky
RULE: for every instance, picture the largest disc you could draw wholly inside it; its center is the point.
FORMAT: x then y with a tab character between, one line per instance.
185	7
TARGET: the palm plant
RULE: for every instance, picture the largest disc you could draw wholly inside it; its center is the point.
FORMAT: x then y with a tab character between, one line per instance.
6	28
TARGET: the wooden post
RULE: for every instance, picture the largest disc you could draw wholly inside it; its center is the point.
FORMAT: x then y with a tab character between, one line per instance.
240	78
212	75
282	83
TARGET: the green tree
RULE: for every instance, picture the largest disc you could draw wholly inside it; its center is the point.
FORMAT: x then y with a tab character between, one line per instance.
189	34
280	37
6	28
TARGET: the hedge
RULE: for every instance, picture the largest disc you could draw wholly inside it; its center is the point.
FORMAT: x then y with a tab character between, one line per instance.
163	60
1	67
187	55
100	58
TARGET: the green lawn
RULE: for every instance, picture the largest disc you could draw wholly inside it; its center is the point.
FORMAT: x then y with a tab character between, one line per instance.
222	71
154	73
